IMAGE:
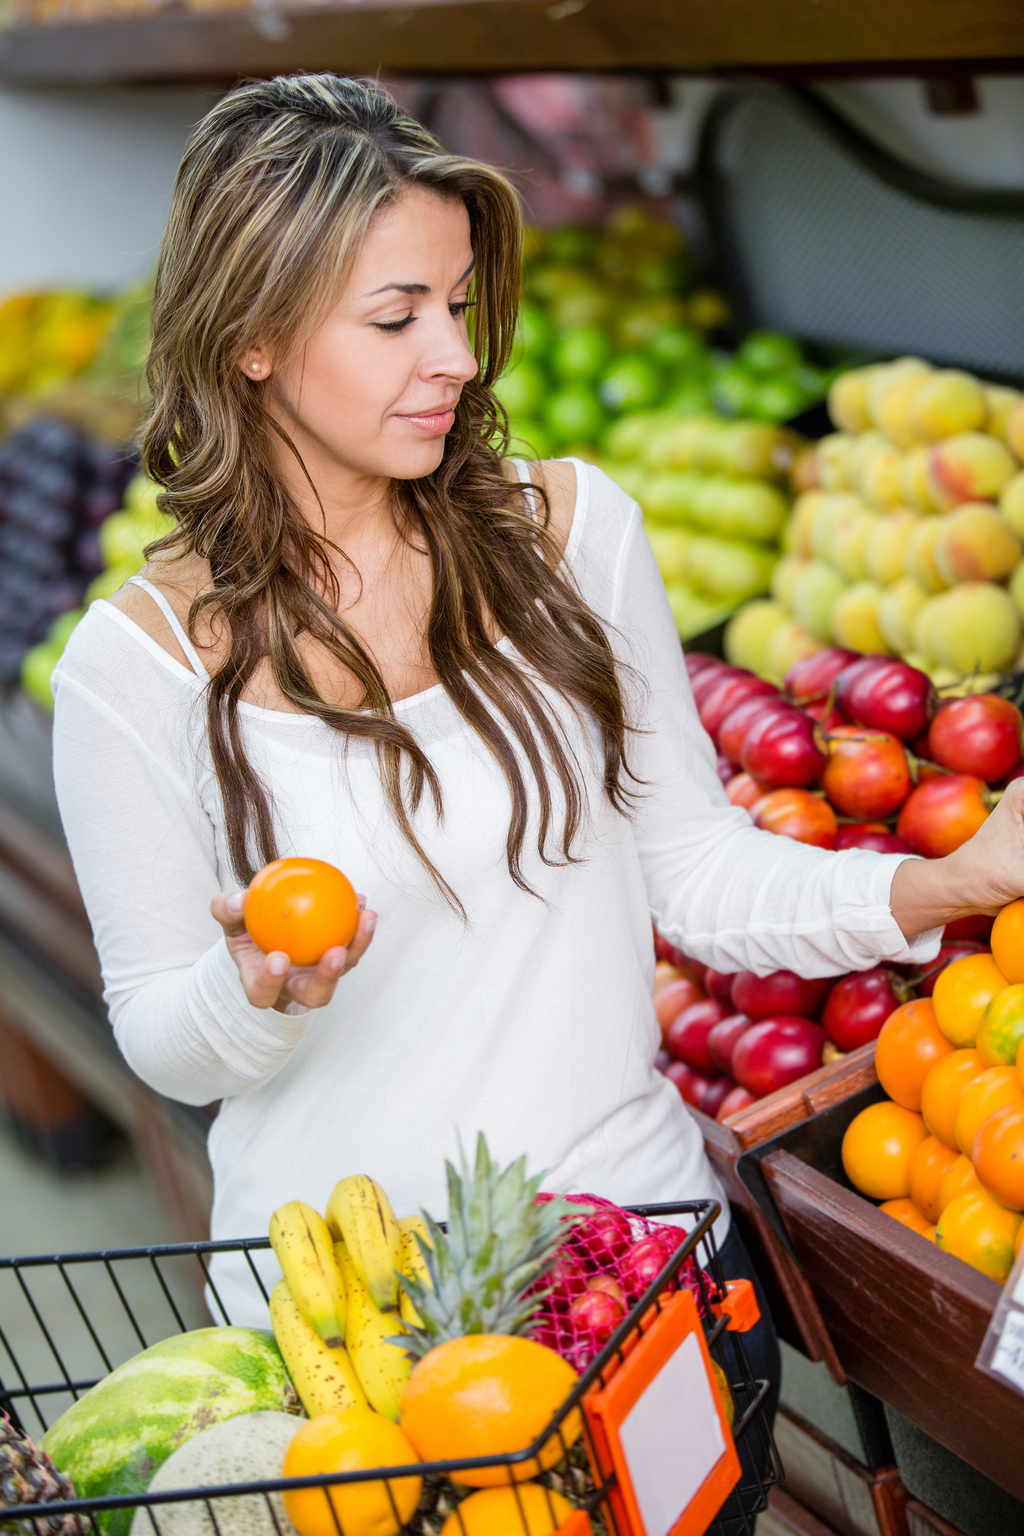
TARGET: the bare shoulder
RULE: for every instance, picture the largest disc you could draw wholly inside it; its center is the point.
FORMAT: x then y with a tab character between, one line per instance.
558	478
179	581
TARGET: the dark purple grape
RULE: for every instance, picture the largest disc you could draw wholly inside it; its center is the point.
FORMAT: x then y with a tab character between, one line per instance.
23	548
55	483
88	557
27	510
98	502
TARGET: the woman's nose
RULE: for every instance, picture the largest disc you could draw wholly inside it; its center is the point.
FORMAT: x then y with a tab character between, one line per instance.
451	357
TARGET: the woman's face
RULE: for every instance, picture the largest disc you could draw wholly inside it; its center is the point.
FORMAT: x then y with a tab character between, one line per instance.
373	391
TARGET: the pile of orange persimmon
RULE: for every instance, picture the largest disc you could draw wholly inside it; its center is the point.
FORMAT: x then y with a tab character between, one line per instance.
945	1152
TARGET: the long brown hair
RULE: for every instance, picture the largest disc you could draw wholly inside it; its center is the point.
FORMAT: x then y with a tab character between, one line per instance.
277	188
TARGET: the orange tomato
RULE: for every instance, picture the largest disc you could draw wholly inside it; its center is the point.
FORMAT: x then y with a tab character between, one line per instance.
877	1149
981	1098
999	1155
960	1178
908	1047
962	993
929	1162
977	1229
1008	941
1002	1029
907	1214
941	1092
353	1440
301	906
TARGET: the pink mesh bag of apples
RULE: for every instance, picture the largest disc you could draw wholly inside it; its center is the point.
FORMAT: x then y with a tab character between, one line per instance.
600	1272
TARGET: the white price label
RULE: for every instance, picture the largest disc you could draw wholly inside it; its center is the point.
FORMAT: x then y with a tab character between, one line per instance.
1008	1359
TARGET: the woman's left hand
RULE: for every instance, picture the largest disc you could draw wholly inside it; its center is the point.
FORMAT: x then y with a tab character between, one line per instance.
982	875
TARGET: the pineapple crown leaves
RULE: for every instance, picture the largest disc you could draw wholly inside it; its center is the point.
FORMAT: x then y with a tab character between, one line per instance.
499	1243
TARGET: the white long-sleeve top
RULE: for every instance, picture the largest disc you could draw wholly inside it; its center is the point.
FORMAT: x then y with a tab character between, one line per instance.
532	1020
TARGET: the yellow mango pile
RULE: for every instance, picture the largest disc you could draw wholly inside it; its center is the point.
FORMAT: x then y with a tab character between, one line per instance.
907	536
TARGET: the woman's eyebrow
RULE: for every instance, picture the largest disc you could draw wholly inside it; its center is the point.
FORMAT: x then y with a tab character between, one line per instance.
415	288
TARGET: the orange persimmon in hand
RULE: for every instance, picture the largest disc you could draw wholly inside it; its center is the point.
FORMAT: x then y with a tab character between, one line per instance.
302	907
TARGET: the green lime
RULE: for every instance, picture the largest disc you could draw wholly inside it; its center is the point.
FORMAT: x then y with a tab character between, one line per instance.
638	322
579	353
631	383
36	670
732	390
574	415
689	398
813	381
770	352
534	329
777	399
59	632
677	346
522	389
529	440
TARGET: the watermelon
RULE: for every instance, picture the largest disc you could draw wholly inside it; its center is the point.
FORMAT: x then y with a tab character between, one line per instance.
115	1437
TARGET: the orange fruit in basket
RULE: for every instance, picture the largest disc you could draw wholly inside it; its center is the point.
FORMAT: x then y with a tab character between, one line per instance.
303	907
960	1178
527	1510
1007	941
929	1162
907	1214
977	1229
1001	1031
877	1149
999	1155
982	1097
353	1440
485	1395
962	993
908	1047
941	1092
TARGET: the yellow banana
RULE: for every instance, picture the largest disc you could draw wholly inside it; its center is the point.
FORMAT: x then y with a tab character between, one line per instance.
325	1379
413	1264
359	1214
299	1237
383	1369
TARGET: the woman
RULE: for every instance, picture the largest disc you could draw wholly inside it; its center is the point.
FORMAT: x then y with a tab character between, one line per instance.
368	639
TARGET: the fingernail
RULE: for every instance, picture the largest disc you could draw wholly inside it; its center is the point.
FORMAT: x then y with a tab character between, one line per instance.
361	902
236	902
278	964
369	922
336	964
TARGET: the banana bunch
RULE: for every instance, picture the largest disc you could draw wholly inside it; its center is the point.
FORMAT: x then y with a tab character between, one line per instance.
339	1313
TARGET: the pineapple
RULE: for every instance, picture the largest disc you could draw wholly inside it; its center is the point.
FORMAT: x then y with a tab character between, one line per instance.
28	1476
498	1244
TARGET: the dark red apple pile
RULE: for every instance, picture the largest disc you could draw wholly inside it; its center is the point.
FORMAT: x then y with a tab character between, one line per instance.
853	752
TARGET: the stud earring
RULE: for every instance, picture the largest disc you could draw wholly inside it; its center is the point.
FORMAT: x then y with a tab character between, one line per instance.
255	367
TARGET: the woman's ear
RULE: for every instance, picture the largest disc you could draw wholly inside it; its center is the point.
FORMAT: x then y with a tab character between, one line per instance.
256	365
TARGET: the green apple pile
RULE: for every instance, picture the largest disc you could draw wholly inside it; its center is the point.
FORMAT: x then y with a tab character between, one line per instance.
613	322
123	536
908	535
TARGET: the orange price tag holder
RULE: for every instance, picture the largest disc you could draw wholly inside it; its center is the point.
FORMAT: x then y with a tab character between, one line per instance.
658	1424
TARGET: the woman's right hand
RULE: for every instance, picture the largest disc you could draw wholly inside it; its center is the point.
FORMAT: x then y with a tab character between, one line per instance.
271	981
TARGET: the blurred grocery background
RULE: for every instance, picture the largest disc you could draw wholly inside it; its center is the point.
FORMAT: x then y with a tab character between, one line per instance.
772	286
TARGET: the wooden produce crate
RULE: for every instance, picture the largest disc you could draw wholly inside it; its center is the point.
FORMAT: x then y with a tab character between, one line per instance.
905	1320
850	1498
922	1521
793	1306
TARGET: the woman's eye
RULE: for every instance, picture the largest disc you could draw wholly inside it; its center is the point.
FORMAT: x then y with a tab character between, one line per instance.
394	326
461	307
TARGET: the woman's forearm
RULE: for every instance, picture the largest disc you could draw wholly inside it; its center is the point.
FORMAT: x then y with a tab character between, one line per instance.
982	875
922	897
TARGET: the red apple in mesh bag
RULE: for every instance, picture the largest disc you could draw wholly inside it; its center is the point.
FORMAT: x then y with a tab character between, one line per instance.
763	997
567	1278
644	1262
598	1314
776	1052
606	1236
606	1283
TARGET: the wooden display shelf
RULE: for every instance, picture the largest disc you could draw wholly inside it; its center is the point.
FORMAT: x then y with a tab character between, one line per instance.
496	36
793	1305
905	1319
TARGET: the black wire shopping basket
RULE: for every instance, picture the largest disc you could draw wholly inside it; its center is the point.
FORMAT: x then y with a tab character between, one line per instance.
66	1320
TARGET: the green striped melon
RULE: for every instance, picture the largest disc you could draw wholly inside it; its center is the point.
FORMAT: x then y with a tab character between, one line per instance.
115	1437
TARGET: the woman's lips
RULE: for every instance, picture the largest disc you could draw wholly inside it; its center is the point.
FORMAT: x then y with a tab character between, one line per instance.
436	423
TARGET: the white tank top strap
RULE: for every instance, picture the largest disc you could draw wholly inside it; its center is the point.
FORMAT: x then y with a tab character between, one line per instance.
524	478
177	627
